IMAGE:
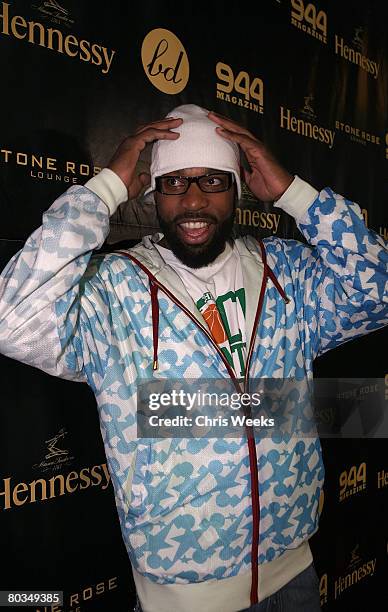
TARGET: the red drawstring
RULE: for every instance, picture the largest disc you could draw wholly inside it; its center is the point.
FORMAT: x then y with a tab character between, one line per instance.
272	275
253	461
154	306
155	321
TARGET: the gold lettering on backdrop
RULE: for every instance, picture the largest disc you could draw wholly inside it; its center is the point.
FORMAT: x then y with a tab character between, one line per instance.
353	576
165	61
355	57
323	590
306	128
42	489
68	44
352	481
364	213
382	479
73	601
91	591
241	89
357	134
49	168
308	19
383	231
255	218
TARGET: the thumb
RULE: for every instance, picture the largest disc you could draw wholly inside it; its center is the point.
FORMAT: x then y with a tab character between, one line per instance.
138	183
145	179
245	175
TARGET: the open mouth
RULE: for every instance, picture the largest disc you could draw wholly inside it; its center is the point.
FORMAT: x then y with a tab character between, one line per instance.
195	232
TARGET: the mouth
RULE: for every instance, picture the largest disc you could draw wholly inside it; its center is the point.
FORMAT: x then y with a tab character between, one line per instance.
195	232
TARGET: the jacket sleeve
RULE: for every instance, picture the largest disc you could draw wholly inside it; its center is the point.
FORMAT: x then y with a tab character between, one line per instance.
41	285
343	279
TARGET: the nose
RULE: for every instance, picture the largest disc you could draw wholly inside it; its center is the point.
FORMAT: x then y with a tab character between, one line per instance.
194	198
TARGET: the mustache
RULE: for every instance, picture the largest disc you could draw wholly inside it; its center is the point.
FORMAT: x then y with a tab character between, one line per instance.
194	217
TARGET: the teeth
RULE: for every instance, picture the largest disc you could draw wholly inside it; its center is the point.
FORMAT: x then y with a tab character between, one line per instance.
194	225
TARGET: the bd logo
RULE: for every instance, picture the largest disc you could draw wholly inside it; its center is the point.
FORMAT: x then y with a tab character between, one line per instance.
165	61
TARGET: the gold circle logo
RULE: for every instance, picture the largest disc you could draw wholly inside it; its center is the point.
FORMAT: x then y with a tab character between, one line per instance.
165	61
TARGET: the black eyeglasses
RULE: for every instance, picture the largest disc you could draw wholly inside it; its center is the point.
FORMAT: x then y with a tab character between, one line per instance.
214	182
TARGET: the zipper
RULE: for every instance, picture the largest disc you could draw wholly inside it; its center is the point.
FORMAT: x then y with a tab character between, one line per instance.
253	454
255	501
257	317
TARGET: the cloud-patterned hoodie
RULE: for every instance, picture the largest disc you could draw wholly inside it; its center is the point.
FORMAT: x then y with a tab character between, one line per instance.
202	519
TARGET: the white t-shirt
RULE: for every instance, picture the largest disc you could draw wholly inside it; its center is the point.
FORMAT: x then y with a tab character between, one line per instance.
219	294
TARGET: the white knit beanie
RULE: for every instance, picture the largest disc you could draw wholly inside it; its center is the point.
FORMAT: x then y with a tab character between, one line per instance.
198	146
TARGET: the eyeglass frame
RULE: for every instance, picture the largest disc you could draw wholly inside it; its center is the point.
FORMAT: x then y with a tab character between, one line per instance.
194	179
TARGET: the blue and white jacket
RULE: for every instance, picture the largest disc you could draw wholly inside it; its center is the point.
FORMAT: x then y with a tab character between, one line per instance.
185	505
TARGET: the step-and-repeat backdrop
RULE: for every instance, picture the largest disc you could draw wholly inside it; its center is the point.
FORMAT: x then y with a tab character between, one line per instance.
308	78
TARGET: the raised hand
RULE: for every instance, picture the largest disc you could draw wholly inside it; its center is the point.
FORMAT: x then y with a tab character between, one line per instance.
124	161
267	180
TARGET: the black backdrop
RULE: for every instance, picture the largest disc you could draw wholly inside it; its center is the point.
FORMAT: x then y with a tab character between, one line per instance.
311	80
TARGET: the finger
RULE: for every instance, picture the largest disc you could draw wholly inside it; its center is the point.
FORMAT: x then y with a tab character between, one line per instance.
244	140
138	183
228	123
245	175
153	134
254	150
163	123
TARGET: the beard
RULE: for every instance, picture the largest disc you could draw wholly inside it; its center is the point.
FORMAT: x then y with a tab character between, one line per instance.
197	255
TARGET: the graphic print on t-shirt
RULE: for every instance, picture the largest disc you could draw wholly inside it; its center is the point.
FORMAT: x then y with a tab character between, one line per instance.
222	318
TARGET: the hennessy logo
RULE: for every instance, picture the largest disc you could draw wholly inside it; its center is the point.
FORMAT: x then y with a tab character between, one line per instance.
56	457
308	109
42	489
165	61
357	39
355	571
56	6
309	129
51	445
356	57
354	557
52	10
20	29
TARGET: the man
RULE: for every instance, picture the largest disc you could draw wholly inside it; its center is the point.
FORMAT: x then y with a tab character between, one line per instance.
209	524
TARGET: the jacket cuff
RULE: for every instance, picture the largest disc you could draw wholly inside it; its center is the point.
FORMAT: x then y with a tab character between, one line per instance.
109	187
297	198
